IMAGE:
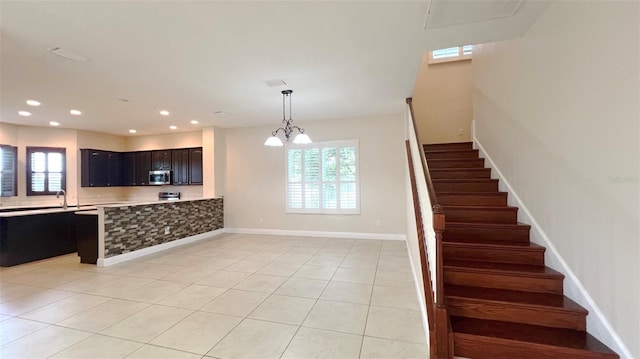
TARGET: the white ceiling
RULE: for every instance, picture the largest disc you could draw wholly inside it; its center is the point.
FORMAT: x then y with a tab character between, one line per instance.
194	58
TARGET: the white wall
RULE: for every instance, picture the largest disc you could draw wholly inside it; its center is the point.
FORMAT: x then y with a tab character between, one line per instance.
558	112
255	178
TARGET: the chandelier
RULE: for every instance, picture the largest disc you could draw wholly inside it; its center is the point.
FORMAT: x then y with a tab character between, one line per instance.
288	128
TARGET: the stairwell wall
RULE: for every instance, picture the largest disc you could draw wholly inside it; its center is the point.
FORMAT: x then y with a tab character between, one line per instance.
557	111
442	101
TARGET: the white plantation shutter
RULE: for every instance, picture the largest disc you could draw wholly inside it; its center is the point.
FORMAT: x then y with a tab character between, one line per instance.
323	178
46	170
448	52
8	164
451	54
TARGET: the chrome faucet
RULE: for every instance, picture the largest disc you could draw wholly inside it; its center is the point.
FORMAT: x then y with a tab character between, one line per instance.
64	194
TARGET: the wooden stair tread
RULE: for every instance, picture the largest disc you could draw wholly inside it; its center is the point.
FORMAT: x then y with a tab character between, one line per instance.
502	268
472	193
512	296
481	207
482	242
488	225
463	180
454	160
453	169
530	333
448	144
529	246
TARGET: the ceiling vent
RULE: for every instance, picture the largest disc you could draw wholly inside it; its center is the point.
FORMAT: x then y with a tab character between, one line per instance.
275	83
67	54
444	13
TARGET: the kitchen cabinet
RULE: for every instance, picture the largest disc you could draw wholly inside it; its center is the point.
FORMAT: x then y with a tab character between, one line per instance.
135	168
100	168
195	165
180	166
129	169
31	237
114	169
161	160
187	166
143	166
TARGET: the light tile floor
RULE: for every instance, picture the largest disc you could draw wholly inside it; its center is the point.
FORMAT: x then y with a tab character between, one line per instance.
231	296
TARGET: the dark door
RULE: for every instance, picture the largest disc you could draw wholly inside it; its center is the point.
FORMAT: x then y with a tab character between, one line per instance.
195	165
143	166
180	166
161	160
98	170
129	169
114	169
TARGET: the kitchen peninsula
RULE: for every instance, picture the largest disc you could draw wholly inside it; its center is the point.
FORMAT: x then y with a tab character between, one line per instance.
144	228
119	231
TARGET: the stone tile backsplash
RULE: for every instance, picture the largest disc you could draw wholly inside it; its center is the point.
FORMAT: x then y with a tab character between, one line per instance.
130	228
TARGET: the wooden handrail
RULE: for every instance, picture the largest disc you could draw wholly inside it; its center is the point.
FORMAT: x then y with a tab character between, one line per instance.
432	192
426	272
442	341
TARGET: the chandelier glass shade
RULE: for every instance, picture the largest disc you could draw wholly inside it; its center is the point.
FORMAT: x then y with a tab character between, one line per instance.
288	127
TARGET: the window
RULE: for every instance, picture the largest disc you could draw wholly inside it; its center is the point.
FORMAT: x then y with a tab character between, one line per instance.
8	172
451	54
46	167
323	178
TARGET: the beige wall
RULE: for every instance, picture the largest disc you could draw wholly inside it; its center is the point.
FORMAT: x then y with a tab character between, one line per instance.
73	141
442	101
164	141
23	137
558	111
255	178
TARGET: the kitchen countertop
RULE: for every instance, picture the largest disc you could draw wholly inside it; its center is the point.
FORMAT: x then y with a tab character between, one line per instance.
45	211
93	207
126	204
93	212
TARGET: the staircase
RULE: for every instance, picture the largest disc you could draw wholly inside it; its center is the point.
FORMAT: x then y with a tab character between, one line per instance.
503	301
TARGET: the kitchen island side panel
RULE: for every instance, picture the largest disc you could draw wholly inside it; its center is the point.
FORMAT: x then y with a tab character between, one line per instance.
134	227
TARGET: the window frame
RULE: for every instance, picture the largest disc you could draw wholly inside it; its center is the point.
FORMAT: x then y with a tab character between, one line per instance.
63	180
320	145
460	57
14	171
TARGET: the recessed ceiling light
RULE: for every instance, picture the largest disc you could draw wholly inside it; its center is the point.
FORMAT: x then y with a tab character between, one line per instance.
54	123
75	112
164	113
173	127
194	122
24	113
132	131
33	103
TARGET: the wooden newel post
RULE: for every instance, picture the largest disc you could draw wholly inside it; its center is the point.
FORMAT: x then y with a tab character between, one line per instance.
444	349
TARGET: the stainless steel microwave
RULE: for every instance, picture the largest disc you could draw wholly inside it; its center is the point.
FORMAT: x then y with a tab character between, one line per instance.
160	177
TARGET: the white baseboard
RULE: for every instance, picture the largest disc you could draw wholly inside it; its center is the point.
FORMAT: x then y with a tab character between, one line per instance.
597	323
105	262
296	233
